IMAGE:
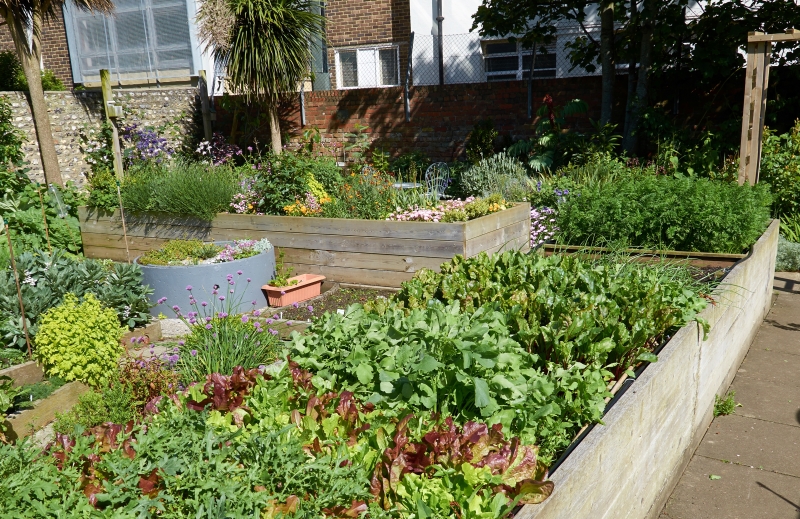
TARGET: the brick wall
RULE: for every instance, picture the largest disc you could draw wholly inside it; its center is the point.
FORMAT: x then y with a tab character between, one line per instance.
55	53
441	117
367	22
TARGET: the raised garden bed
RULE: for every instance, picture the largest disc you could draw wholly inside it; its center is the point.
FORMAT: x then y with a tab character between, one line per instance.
374	252
171	282
628	466
23	374
698	259
24	423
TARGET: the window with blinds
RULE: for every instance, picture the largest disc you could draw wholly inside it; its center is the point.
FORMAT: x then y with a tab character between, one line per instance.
368	67
144	41
507	61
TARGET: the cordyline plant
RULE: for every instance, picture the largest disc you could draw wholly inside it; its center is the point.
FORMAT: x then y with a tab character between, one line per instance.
264	46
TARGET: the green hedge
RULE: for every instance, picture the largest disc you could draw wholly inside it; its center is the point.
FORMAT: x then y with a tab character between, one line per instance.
666	213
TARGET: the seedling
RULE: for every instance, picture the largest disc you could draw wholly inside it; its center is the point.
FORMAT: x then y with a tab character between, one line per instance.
725	406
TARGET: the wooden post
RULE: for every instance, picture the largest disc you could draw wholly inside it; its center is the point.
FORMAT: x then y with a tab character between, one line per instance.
105	84
759	54
19	291
205	106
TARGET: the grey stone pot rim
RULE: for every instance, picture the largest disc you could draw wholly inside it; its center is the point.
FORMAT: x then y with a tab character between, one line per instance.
136	259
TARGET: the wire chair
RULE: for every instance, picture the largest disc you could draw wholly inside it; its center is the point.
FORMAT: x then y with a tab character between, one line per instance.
437	178
368	170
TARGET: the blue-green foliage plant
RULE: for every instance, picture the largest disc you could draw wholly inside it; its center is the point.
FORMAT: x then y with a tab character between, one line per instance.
45	280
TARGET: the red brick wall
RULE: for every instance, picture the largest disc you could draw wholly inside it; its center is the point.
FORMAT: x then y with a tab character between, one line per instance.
367	22
55	53
441	117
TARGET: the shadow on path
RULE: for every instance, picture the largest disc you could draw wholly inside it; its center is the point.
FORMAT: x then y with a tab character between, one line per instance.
765	487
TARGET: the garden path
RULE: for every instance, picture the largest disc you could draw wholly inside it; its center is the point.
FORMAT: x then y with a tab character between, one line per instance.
753	455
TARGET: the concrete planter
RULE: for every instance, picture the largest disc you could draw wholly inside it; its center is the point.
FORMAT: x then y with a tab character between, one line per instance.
629	466
171	282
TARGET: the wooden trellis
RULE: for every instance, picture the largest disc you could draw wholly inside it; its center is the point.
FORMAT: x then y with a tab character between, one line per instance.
759	52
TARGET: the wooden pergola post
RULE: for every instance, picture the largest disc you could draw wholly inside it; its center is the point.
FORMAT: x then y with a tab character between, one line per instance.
759	52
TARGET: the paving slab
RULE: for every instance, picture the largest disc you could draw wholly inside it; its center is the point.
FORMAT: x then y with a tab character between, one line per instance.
767	401
787	282
767	365
775	336
753	442
739	493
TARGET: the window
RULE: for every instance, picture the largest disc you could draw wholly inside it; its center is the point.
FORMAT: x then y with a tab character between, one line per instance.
144	40
508	61
368	67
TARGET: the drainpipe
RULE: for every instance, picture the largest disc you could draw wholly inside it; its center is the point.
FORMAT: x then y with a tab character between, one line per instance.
439	20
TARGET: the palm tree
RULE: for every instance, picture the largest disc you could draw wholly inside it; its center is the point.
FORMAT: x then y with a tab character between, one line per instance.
25	19
265	46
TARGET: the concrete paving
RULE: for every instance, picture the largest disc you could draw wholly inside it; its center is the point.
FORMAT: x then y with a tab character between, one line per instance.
754	454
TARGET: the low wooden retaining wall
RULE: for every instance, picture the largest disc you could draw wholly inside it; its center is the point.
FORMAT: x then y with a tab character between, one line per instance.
60	401
629	466
371	252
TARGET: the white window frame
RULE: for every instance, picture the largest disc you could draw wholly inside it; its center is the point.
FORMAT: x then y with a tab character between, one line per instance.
521	73
376	50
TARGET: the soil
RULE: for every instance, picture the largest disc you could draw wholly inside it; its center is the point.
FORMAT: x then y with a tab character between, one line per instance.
329	301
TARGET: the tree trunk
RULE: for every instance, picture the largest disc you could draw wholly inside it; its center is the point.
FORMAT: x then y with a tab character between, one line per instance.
30	58
275	127
626	132
607	60
645	63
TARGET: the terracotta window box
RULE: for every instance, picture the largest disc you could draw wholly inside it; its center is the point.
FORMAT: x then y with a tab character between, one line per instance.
308	286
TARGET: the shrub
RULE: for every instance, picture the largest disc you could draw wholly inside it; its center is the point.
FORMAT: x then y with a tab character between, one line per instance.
103	191
480	143
286	178
788	259
362	196
780	168
489	174
11	138
182	188
666	213
144	146
114	403
411	166
13	77
79	341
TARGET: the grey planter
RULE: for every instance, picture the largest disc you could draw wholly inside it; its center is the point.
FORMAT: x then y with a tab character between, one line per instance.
171	282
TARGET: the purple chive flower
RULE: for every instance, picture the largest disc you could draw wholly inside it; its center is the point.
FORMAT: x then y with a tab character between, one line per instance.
192	321
296	305
229	277
288	323
231	291
283	292
269	321
189	288
133	340
310	308
239	272
257	324
257	313
208	319
214	292
275	316
254	302
222	298
162	300
181	343
194	353
223	315
274	332
248	280
245	318
176	350
208	327
176	308
204	304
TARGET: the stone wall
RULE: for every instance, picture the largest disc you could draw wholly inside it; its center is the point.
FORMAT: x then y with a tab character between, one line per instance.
171	111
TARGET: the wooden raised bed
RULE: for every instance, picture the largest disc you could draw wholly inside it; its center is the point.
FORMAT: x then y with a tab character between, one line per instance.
24	374
28	421
371	252
628	465
698	259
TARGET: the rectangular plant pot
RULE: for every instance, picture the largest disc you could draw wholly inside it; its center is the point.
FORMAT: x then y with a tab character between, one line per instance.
629	465
308	286
367	252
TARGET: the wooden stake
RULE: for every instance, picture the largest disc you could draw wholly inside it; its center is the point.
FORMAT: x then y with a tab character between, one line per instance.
105	82
205	106
44	218
19	291
124	228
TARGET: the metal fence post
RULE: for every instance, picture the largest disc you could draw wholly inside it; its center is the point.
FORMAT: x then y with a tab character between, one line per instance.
408	77
530	81
439	20
302	104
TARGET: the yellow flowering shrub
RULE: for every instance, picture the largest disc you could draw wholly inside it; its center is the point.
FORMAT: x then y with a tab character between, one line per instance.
79	341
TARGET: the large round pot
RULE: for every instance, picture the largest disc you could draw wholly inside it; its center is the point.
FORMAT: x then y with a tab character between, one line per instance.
171	282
